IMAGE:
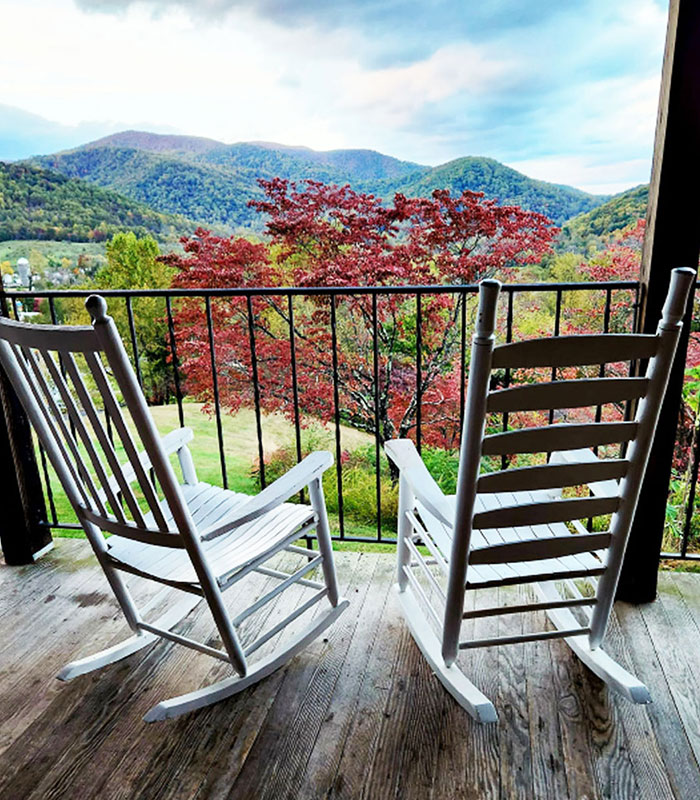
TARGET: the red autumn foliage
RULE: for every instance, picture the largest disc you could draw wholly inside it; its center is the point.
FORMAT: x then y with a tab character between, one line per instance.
333	236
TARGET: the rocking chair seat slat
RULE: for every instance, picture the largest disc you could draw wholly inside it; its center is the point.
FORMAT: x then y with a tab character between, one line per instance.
510	572
226	553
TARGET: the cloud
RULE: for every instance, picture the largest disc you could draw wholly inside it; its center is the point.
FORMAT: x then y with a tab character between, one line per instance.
526	82
584	173
397	94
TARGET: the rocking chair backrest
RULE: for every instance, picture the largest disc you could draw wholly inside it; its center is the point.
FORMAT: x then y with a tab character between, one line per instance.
615	483
61	375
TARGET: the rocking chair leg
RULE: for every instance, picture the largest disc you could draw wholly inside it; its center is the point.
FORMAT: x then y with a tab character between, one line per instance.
131	645
452	678
599	662
176	706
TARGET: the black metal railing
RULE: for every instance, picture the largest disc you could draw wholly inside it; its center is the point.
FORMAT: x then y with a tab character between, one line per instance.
562	298
682	535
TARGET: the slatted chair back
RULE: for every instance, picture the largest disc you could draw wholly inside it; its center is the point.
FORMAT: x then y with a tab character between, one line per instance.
531	496
69	379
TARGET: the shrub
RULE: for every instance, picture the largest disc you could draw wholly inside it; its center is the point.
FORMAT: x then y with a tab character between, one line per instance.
359	480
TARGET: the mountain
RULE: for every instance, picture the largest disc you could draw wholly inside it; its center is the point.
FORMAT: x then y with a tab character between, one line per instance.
357	167
212	182
36	203
204	192
587	231
158	143
496	180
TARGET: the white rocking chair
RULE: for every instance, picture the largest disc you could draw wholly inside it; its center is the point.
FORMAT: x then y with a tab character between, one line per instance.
510	527
196	538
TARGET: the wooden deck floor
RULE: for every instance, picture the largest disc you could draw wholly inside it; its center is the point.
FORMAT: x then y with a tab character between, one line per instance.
355	716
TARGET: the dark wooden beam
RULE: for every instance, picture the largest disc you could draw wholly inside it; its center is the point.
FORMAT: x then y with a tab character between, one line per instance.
23	531
672	240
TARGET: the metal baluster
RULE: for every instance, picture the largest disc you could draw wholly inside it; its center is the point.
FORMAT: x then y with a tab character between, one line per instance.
419	367
336	400
377	448
506	379
295	387
690	504
215	387
256	389
176	363
134	344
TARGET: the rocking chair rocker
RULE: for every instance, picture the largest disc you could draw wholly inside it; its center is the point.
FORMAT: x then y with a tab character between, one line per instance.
513	526
193	537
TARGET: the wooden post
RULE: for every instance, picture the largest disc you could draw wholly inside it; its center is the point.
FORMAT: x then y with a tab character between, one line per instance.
24	536
672	240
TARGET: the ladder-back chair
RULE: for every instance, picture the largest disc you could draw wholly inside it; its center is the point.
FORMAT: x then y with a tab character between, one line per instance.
79	389
524	524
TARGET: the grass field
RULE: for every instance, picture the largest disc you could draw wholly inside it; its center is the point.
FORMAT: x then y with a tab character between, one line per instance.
241	454
12	249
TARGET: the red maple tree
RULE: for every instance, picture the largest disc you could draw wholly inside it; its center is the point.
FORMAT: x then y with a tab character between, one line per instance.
332	236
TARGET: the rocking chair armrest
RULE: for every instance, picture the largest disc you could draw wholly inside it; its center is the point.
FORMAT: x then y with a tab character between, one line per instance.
411	467
607	488
171	443
278	492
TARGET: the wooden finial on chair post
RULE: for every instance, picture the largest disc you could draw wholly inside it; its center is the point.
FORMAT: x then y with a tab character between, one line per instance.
672	314
488	303
97	308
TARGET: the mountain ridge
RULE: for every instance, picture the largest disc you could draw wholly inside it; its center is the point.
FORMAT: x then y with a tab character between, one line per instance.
213	182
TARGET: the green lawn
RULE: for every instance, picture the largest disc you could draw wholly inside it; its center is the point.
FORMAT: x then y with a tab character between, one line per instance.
241	452
12	249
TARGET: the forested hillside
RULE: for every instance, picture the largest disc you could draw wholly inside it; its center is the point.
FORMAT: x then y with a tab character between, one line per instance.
360	168
212	182
204	192
36	203
498	181
588	231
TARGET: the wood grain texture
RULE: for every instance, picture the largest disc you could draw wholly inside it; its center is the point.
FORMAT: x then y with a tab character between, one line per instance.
357	716
567	351
567	394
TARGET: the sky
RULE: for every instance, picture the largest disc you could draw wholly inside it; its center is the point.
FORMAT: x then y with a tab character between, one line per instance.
562	90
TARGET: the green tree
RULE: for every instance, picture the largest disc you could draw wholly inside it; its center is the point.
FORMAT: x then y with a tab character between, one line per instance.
132	263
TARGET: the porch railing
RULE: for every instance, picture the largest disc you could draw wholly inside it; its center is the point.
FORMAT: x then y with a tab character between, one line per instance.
562	298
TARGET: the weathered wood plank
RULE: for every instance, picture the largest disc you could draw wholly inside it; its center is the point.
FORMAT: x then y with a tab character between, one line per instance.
166	670
577	753
514	724
334	733
642	746
232	725
612	766
470	755
681	766
364	735
674	627
363	718
275	765
403	765
547	750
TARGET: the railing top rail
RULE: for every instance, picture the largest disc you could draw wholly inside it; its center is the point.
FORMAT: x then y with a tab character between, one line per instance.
285	291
